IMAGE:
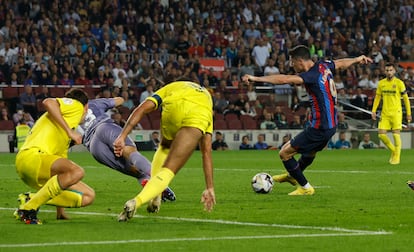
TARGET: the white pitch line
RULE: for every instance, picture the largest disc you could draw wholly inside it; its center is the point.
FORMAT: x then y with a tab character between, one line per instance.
182	239
229	169
226	222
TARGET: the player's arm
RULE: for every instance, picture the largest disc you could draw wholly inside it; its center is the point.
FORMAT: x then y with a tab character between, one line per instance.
118	101
347	62
52	106
275	79
208	197
144	108
407	106
375	104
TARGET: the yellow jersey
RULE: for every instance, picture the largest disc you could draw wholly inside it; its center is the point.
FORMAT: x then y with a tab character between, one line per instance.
48	136
391	91
184	99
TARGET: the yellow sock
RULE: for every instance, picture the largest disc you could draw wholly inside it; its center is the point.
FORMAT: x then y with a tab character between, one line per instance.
159	159
155	186
397	142
67	198
50	190
384	138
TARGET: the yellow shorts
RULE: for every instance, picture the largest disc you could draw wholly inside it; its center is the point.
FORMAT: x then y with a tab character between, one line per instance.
184	114
390	122
33	166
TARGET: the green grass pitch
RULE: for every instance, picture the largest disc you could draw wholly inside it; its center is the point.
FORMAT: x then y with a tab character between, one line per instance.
361	204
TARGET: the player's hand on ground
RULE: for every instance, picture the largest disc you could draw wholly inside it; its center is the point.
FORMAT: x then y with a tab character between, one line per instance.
119	145
209	199
75	136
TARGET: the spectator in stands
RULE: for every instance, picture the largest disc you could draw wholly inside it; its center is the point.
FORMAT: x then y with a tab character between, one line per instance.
128	103
82	79
66	80
342	143
296	123
360	100
220	103
232	109
28	100
246	67
155	139
342	124
42	74
5	115
149	91
245	144
248	110
286	138
366	142
268	123
21	131
251	93
282	122
261	144
219	143
28	119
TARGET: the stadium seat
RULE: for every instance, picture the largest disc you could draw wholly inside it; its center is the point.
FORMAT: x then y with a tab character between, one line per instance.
6	125
57	92
218	116
10	92
154	115
230	117
234	124
40	107
145	123
155	123
124	111
220	125
249	123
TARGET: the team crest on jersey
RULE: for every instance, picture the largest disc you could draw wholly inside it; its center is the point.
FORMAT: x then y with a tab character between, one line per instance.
67	101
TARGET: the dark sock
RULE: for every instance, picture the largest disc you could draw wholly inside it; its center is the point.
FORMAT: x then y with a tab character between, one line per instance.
305	161
292	166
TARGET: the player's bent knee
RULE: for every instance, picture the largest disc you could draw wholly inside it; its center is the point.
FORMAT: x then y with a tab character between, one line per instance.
88	197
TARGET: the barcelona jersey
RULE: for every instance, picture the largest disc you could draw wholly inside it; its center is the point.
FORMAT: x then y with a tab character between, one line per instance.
321	89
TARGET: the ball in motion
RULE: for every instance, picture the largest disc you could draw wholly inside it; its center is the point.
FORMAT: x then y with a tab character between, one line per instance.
262	183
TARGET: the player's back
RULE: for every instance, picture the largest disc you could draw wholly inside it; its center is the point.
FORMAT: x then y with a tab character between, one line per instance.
48	136
184	90
97	114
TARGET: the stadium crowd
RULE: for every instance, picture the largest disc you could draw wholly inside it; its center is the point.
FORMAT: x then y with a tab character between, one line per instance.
131	48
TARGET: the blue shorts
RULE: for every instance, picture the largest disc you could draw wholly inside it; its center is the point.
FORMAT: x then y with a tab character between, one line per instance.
312	140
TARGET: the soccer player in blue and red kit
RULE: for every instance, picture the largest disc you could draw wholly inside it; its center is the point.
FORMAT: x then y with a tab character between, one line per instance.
317	77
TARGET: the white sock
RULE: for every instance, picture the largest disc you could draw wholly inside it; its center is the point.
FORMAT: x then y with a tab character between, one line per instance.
307	186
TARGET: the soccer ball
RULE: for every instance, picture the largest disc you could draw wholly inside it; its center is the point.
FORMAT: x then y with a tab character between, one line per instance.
262	183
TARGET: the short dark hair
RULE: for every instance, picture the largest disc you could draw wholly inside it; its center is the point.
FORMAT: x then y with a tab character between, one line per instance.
389	64
300	52
77	94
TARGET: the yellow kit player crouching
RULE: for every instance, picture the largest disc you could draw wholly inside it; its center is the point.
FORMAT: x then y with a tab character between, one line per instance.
390	90
42	161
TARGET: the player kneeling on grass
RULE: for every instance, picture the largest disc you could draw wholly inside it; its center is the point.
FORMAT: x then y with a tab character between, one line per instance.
186	120
42	161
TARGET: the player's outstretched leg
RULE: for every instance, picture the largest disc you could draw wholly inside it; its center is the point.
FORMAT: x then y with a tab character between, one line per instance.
281	178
